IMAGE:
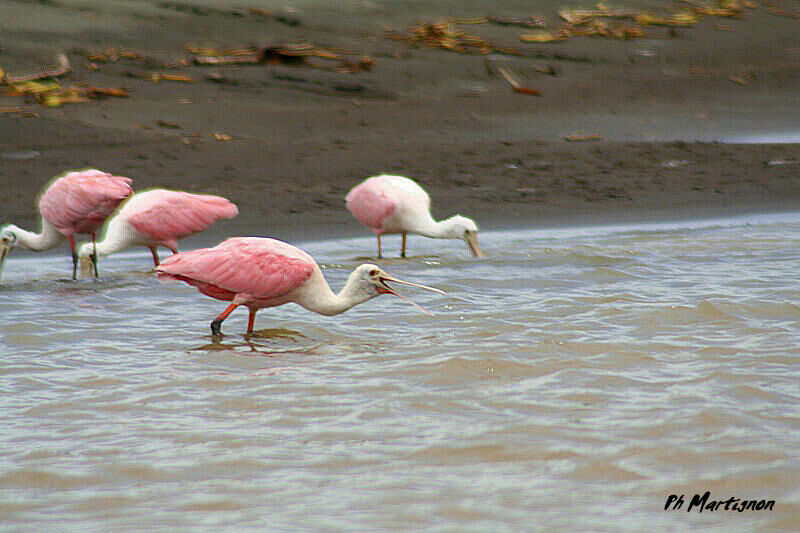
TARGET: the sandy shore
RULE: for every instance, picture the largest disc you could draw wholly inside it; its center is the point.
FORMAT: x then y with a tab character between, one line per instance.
295	139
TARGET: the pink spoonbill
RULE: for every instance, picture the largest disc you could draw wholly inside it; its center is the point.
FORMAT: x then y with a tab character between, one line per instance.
157	217
73	202
396	204
256	272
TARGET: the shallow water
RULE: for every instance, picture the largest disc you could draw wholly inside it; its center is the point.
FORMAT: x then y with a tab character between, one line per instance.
572	380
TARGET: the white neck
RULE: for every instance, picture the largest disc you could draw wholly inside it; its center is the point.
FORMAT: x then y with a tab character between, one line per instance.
434	229
105	247
317	296
48	238
114	240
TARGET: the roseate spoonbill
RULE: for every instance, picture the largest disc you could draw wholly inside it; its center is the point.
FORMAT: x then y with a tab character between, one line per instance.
396	204
157	217
258	272
73	202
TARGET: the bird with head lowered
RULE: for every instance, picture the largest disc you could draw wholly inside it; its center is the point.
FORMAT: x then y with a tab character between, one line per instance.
73	202
156	217
396	204
257	272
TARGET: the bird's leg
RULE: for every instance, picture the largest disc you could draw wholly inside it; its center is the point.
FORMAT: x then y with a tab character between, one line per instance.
216	324
379	248
94	255
155	254
403	249
251	321
71	240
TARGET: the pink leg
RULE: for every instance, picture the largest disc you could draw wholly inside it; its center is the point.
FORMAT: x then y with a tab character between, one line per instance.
251	321
216	324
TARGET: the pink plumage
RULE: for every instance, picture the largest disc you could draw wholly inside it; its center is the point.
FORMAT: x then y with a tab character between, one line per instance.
159	217
166	216
79	202
375	200
250	269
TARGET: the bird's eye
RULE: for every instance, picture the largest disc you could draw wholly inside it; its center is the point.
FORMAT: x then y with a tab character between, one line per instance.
373	272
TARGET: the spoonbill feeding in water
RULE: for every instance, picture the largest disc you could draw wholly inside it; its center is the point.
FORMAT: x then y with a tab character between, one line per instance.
157	217
73	202
258	272
396	204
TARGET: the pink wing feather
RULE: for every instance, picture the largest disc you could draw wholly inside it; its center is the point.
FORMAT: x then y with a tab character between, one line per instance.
261	268
79	202
171	215
370	204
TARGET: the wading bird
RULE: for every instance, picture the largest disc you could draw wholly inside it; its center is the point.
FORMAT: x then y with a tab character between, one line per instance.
157	217
395	204
74	202
256	272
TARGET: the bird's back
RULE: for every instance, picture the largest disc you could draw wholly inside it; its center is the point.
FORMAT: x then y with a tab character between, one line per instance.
79	202
376	200
164	215
254	268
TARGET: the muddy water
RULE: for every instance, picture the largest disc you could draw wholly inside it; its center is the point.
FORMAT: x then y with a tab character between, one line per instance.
572	380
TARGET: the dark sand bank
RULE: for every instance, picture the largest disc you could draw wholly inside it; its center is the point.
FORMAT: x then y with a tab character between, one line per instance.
300	137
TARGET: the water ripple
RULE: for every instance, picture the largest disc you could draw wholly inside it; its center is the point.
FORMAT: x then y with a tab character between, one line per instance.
593	369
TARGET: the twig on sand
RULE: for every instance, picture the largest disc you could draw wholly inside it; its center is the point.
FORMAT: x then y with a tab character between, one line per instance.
515	85
62	68
741	80
17	112
226	60
101	92
586	137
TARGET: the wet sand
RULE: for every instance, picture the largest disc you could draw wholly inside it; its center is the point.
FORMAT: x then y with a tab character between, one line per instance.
300	137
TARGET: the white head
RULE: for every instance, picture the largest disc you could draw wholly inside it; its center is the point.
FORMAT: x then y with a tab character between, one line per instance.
85	261
458	227
8	240
8	235
368	281
85	250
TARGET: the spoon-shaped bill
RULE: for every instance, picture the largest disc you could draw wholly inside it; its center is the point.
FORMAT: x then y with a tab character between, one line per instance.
4	251
386	277
472	243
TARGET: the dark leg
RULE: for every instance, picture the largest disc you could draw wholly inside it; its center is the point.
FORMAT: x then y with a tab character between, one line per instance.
216	324
94	255
71	240
403	249
155	254
380	256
